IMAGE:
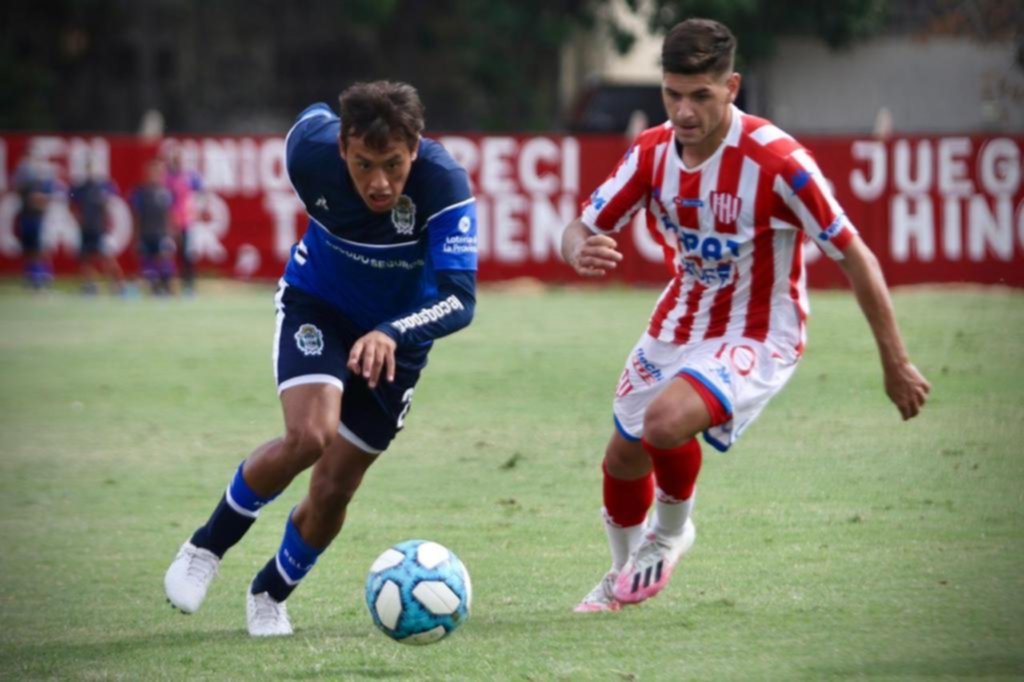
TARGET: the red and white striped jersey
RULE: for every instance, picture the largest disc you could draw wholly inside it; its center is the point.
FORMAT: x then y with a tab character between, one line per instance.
732	230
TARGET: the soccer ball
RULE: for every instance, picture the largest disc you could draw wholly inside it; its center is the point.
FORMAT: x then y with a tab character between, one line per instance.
418	592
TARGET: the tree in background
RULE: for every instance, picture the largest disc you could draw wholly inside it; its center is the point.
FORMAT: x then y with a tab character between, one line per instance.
758	24
249	65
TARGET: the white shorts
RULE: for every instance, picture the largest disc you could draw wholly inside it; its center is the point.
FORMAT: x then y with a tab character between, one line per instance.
743	375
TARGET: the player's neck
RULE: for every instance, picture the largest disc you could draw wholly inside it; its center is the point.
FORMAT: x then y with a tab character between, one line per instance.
695	155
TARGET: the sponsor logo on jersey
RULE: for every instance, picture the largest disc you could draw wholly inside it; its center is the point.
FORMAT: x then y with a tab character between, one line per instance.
321	203
403	215
687	202
428	315
832	230
800	180
310	340
708	247
457	244
464	241
378	263
716	275
726	207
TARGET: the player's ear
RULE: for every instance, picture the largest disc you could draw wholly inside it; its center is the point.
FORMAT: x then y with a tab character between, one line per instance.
341	146
416	149
733	83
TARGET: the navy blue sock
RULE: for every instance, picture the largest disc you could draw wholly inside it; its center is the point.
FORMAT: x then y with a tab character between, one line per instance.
292	562
237	511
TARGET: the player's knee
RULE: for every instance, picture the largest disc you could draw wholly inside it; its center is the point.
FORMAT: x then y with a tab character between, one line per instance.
626	463
306	442
666	426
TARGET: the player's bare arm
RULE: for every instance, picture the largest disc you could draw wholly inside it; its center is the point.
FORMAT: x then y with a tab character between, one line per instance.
372	354
589	254
904	384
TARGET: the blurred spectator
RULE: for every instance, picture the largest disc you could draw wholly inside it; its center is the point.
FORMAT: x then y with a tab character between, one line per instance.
34	184
89	201
151	207
184	185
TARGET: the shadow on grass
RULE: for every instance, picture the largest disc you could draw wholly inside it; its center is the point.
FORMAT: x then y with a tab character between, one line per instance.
374	673
963	667
183	651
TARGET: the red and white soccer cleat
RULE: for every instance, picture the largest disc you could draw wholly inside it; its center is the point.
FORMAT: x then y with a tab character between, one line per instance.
600	598
651	565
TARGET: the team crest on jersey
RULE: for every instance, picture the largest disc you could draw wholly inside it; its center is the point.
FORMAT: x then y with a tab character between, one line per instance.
310	340
726	207
403	215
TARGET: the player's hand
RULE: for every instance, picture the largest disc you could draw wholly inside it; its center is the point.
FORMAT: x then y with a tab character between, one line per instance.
907	388
595	256
372	354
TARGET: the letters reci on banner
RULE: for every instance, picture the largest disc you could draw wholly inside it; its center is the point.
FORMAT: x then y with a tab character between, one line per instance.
933	208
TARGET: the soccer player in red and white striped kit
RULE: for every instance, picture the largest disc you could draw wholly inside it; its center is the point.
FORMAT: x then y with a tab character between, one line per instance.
730	198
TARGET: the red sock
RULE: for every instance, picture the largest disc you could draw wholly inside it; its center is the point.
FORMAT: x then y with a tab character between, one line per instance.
627	502
676	468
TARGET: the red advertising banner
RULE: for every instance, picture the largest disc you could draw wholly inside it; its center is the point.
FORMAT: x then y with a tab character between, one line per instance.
933	209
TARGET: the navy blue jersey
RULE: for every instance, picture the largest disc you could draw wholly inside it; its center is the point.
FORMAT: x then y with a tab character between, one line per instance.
152	206
409	272
91	197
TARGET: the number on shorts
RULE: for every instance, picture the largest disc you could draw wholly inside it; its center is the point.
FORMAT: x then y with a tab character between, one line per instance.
406	406
744	364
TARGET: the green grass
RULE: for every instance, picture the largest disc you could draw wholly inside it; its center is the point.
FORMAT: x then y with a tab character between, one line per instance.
835	542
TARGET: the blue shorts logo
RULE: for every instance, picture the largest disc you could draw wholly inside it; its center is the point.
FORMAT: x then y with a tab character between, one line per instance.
310	340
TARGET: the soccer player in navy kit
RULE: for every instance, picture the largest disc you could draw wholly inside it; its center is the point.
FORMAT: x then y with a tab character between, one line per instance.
387	265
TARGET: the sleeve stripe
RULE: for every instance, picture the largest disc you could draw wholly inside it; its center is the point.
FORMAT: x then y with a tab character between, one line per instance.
767	134
464	202
330	235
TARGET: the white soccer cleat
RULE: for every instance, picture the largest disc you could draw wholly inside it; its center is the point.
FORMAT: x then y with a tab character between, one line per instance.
651	565
189	577
601	597
265	616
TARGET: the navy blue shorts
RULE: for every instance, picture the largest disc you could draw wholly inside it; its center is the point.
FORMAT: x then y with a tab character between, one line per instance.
92	244
30	233
311	346
155	245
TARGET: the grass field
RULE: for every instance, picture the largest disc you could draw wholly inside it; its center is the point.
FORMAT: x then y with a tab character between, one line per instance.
835	542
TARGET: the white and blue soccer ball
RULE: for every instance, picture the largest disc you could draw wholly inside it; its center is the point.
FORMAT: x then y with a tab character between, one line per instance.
418	592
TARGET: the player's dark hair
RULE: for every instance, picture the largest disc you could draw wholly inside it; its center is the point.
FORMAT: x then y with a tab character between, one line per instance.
379	111
697	46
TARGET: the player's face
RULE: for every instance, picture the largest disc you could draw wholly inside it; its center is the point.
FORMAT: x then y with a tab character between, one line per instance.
699	108
155	173
379	176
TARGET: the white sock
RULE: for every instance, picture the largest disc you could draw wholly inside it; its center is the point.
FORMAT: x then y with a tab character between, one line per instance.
621	540
670	514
